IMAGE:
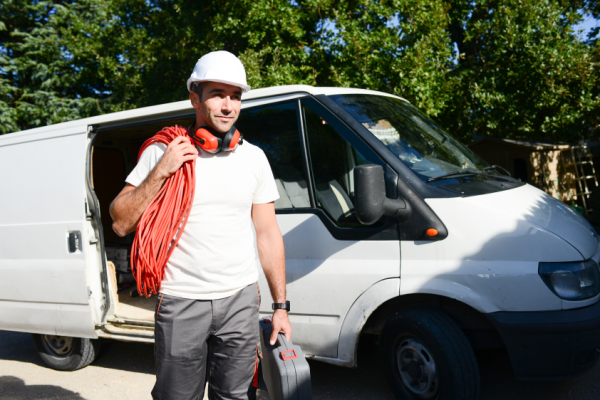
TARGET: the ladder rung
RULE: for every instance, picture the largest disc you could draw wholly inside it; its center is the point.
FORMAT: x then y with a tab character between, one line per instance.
578	163
585	177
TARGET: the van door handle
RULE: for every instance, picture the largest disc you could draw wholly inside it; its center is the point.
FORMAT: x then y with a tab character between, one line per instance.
74	241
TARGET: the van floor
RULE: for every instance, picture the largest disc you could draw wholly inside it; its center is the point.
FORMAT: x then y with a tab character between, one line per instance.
137	308
140	308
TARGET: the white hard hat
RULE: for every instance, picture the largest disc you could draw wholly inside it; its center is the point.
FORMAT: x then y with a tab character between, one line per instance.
219	66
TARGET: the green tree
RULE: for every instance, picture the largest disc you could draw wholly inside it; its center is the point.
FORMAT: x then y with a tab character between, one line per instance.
41	81
522	71
397	46
509	68
171	36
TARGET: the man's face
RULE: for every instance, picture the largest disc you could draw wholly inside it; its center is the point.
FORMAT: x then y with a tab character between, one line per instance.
219	106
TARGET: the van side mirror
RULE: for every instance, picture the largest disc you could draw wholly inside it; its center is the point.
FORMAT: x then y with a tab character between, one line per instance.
370	200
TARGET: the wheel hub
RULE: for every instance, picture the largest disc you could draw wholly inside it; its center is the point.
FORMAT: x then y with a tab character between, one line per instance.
58	345
417	369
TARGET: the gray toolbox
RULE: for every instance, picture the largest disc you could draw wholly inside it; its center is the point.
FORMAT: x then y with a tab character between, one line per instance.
285	370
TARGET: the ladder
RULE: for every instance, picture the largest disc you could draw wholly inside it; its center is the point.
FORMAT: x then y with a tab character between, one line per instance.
585	174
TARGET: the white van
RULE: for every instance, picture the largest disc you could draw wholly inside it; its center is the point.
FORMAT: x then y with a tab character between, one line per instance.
468	259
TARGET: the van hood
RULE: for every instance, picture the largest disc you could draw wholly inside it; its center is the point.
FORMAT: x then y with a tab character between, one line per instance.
546	212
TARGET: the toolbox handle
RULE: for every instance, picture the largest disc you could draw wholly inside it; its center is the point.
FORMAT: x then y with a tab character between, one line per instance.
282	340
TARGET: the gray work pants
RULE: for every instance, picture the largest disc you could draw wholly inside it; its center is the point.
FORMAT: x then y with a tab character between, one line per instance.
199	340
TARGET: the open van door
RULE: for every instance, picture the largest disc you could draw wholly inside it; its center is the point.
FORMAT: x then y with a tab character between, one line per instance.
45	239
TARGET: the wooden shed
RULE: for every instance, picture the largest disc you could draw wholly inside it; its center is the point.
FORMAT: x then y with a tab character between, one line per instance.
561	170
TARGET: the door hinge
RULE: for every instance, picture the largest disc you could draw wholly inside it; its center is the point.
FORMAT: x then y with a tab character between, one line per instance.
91	130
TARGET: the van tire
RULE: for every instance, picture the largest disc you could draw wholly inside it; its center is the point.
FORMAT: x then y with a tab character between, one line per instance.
66	353
442	364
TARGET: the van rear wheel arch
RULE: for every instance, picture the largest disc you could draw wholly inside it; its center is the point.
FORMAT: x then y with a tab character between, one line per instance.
65	353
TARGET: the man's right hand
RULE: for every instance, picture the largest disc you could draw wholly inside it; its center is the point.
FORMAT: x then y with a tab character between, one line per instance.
178	151
127	208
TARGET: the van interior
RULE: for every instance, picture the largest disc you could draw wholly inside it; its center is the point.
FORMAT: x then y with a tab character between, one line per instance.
114	155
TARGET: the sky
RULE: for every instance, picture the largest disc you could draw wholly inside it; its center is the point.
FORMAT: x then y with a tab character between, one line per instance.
586	25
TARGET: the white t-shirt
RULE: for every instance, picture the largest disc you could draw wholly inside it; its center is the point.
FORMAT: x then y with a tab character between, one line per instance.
216	256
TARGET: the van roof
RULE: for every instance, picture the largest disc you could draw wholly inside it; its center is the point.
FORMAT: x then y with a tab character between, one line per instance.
182	106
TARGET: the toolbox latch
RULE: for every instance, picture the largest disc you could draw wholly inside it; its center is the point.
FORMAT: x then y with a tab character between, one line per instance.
288	357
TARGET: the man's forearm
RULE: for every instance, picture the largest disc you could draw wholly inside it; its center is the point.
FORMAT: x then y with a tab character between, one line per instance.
127	209
272	257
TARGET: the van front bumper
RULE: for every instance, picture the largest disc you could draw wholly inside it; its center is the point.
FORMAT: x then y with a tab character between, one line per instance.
550	345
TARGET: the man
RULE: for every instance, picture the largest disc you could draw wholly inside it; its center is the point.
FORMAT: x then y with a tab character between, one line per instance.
207	309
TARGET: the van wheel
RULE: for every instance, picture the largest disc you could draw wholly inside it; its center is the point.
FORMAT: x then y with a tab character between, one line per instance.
66	353
425	355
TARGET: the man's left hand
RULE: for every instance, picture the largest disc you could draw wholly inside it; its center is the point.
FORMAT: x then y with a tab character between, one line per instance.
281	324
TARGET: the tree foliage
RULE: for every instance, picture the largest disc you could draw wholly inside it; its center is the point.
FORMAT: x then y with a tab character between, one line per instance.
510	68
522	71
42	81
399	47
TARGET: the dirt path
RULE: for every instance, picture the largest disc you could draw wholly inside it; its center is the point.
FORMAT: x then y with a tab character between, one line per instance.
125	371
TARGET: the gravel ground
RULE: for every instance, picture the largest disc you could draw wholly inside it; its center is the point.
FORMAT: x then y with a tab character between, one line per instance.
125	371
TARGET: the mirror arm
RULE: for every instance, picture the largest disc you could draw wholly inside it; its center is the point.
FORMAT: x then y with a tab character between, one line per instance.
396	208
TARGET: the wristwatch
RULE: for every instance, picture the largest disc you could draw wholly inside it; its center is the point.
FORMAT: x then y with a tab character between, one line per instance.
282	306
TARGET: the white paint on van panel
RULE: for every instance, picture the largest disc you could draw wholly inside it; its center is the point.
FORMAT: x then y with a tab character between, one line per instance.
47	318
491	255
40	281
59	281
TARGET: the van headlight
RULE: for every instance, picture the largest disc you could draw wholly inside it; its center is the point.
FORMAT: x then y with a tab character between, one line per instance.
572	280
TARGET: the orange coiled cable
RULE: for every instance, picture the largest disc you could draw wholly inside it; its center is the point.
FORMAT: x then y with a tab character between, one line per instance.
163	220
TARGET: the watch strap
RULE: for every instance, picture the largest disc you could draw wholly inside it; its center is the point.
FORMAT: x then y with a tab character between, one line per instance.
282	306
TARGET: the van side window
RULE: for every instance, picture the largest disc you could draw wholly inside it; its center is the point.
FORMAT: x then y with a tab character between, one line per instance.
275	130
332	162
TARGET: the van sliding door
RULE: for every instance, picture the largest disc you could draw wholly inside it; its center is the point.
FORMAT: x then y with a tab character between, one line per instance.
43	236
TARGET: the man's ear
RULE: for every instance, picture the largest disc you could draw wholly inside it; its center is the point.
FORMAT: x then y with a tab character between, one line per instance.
195	99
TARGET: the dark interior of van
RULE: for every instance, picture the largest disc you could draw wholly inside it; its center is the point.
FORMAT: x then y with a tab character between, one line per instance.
114	155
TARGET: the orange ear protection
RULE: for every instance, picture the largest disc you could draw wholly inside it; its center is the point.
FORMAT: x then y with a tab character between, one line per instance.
210	141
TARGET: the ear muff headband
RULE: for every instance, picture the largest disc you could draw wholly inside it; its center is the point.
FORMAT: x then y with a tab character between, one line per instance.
208	140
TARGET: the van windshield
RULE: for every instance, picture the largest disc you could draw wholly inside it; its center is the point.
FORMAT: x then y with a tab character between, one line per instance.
414	138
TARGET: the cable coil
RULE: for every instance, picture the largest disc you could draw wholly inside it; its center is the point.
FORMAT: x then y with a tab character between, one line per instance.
163	221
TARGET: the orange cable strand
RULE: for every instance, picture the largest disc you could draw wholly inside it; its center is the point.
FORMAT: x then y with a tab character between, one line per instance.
163	221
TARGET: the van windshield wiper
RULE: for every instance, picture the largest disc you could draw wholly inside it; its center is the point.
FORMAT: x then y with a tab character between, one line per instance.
495	167
455	173
468	172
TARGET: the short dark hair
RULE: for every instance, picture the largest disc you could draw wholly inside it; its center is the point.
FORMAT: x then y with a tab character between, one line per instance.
198	88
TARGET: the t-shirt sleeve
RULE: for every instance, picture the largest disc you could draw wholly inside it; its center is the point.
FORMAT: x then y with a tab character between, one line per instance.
266	190
150	157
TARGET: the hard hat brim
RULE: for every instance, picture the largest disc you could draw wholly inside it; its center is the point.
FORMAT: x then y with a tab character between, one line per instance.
245	88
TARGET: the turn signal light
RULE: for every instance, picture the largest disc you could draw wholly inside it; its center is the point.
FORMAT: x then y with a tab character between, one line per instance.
431	232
